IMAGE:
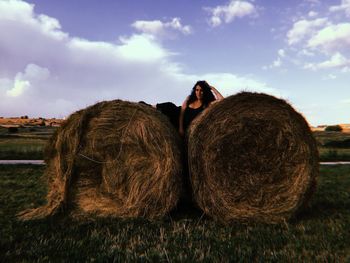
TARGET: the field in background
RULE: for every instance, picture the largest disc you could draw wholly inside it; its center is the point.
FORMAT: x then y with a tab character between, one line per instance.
25	121
28	143
331	153
319	234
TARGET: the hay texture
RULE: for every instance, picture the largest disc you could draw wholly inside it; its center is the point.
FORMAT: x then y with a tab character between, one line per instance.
252	157
114	158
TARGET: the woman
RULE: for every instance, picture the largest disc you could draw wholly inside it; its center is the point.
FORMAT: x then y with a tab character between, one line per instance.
201	97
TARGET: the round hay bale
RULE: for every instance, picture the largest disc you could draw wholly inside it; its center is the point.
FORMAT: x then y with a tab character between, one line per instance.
252	157
114	158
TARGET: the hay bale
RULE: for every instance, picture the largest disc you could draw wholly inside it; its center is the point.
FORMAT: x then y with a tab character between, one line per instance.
252	157
114	158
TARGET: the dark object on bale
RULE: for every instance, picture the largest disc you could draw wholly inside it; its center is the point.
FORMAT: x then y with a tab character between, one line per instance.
252	157
114	158
171	111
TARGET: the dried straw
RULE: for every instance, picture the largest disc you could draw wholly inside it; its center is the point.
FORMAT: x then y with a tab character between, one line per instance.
252	157
114	158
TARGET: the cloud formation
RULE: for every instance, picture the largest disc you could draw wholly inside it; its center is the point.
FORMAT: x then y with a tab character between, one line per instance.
312	14
46	72
162	29
343	7
322	37
23	81
331	38
229	12
336	61
303	29
277	63
313	2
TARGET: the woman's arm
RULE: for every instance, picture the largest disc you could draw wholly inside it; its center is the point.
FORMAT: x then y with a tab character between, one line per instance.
217	93
181	118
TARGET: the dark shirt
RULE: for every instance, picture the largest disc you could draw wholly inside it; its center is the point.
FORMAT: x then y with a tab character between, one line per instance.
190	114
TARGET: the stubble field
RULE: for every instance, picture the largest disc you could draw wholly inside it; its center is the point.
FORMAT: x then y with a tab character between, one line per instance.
319	234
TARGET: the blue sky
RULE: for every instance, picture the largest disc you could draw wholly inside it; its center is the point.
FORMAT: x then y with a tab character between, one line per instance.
57	56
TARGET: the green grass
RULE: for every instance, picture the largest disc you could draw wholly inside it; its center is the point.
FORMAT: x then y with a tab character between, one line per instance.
19	148
332	154
323	137
27	144
319	234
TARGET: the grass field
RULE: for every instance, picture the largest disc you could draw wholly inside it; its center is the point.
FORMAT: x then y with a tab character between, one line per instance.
26	144
319	234
29	144
332	154
21	148
323	137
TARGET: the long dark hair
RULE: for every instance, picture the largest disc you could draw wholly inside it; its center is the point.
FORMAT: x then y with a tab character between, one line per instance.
207	94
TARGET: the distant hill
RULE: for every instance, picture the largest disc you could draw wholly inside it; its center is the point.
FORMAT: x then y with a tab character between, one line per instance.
25	121
345	127
53	122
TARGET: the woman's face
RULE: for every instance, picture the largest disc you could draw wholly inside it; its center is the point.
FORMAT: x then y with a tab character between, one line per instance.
199	92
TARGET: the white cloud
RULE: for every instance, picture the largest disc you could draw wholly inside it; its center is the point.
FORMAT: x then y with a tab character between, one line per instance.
56	73
331	38
36	73
310	38
281	53
23	81
277	63
312	14
306	52
303	29
17	10
330	77
159	28
344	6
227	13
19	87
345	70
142	48
313	1
336	61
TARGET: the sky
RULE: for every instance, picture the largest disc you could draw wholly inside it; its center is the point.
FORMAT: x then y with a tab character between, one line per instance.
58	56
